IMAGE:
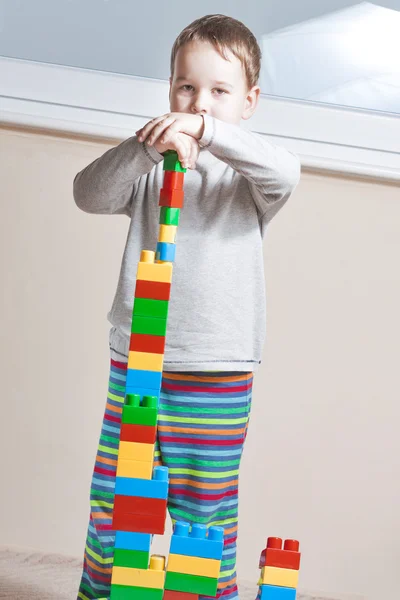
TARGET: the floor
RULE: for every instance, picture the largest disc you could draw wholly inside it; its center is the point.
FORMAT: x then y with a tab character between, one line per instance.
32	575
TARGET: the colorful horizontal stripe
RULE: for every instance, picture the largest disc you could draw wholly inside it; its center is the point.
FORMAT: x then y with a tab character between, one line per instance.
202	426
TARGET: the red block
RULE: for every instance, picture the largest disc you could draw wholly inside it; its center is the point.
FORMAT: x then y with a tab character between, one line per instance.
137	505
179	596
173	180
274	556
153	290
171	198
146	434
138	523
143	342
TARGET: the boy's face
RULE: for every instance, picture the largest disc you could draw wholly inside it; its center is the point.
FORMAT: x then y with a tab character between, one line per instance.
205	83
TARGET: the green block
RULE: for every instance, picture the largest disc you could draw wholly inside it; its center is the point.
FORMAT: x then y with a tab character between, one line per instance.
135	559
128	592
194	584
144	307
147	401
169	216
149	325
139	416
171	162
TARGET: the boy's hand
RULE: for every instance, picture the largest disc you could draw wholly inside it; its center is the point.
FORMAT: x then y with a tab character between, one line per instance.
169	125
185	145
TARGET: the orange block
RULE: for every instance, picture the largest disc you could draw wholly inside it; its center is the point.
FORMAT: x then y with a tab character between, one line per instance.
168	595
171	198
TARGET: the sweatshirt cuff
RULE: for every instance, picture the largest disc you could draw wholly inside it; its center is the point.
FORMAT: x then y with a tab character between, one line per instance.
151	153
209	132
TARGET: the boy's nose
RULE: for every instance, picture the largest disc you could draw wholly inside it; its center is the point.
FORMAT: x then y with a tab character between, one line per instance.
198	110
199	105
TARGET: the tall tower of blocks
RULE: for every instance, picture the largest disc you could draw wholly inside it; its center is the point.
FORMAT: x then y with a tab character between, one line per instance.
141	491
279	570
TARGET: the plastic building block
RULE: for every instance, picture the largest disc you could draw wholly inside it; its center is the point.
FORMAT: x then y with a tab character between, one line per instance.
155	272
139	523
135	451
281	577
169	216
154	488
197	543
272	592
147	578
141	342
149	325
146	307
192	565
171	162
167	233
143	379
138	433
145	361
142	392
137	505
128	540
166	251
171	198
144	414
191	583
275	556
173	180
134	468
131	558
168	595
153	290
124	592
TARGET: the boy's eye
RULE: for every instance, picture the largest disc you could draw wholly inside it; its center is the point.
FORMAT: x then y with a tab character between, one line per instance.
220	92
187	87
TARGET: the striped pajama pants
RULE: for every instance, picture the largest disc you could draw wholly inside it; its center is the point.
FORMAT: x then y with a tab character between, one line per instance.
202	425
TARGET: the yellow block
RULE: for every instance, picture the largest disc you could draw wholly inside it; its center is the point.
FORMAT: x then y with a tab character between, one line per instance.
280	577
145	360
155	271
135	468
192	565
136	451
148	578
167	233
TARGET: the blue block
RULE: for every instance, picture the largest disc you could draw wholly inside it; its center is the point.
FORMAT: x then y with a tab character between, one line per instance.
144	379
128	540
274	592
195	543
165	251
145	488
143	392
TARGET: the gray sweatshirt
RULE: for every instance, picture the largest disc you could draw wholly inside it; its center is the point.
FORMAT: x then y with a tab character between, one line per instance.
217	309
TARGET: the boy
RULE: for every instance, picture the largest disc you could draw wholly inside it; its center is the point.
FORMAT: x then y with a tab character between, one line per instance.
237	183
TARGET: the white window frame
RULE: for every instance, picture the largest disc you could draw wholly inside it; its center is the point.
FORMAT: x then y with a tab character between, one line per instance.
111	106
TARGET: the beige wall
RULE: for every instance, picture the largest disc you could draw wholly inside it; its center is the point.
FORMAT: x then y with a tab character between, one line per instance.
323	452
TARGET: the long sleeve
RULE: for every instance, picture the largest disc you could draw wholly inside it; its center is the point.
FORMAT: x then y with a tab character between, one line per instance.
108	185
272	172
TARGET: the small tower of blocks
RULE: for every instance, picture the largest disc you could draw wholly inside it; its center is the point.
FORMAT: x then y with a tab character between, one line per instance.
141	491
279	570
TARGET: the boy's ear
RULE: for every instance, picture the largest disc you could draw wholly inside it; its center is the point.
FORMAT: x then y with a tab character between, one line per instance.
251	102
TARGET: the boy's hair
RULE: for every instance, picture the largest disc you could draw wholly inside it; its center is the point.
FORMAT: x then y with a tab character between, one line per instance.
225	34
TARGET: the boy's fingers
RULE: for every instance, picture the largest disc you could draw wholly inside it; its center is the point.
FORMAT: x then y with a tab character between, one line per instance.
159	129
182	152
144	131
172	130
194	153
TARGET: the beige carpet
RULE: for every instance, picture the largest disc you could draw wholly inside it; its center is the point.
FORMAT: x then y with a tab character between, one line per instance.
37	576
32	575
